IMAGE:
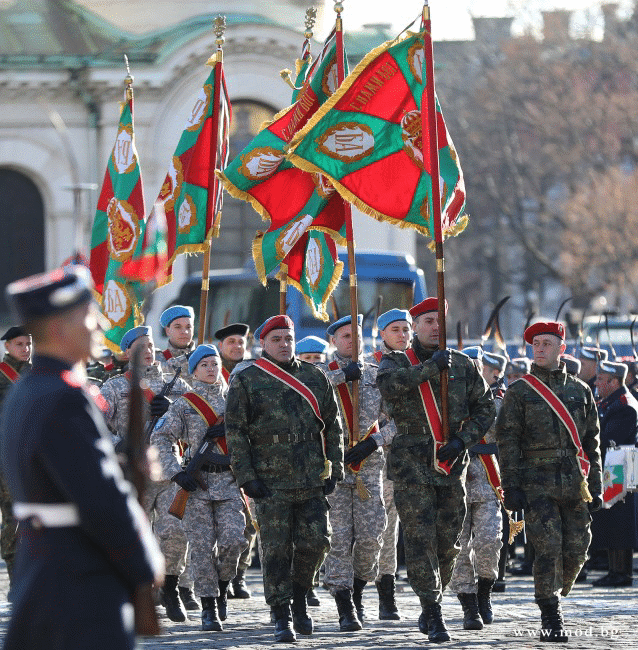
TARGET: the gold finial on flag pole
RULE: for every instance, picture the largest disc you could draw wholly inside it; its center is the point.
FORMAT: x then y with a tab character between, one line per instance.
128	80
219	27
311	19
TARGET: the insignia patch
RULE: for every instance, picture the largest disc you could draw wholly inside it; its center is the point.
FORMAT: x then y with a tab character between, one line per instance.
124	229
159	424
347	141
260	163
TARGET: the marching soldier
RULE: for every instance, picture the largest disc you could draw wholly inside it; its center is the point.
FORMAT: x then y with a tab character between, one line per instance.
572	364
214	517
178	324
285	439
17	360
312	349
85	544
428	472
516	368
589	358
548	440
159	494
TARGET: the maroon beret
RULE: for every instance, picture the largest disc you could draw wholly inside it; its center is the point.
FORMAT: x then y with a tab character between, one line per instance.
429	304
280	322
551	327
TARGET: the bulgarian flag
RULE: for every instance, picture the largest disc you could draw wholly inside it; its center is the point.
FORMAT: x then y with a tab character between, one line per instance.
191	194
117	228
367	140
614	486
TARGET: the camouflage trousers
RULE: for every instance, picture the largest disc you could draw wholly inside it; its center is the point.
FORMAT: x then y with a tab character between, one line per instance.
481	542
388	555
169	532
295	537
432	519
251	535
9	528
357	530
560	532
215	532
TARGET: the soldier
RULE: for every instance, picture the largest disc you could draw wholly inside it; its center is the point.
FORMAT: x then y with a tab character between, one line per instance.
159	494
572	364
177	322
357	512
428	486
17	360
516	368
214	518
395	328
477	564
589	358
312	349
547	435
285	439
85	544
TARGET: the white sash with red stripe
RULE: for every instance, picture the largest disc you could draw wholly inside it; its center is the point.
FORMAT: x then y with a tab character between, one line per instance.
10	373
204	408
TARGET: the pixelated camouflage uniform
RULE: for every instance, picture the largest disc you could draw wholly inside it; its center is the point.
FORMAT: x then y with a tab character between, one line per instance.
9	524
557	519
178	359
431	505
214	518
159	494
264	420
358	523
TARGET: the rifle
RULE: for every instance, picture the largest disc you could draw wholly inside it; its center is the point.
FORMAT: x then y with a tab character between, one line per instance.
203	456
166	389
146	622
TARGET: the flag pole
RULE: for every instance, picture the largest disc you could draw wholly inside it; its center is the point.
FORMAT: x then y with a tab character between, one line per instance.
429	125
352	267
217	60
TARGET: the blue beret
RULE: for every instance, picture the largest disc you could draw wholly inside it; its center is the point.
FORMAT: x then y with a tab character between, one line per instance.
391	316
474	352
132	335
346	320
201	351
312	344
176	311
494	360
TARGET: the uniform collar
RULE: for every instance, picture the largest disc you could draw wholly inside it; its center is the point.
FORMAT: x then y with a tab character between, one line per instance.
14	363
557	375
287	365
50	364
203	387
421	351
177	352
617	394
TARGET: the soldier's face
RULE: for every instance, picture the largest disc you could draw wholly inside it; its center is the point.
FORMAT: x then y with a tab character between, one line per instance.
587	369
233	347
279	344
312	357
397	335
426	329
547	349
207	370
606	384
490	374
180	332
19	348
79	332
342	340
148	350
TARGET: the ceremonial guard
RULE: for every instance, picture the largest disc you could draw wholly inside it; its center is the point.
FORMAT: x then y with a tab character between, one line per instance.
395	329
429	472
516	368
572	364
160	493
17	360
589	358
547	436
357	513
178	324
85	546
615	529
285	439
214	518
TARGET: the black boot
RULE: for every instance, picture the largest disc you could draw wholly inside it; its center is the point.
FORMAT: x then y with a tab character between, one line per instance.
222	600
553	628
431	623
300	619
187	597
170	600
312	598
210	617
348	620
240	590
388	610
357	595
485	586
471	617
283	624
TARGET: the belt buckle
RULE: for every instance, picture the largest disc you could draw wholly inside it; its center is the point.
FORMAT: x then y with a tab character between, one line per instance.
275	438
295	439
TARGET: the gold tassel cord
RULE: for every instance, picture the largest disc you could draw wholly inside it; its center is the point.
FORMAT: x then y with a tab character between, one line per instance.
362	490
327	470
585	493
515	527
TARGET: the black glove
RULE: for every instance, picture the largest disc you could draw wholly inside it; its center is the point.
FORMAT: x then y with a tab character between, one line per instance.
185	481
360	451
352	371
159	406
256	489
216	431
329	485
452	450
595	504
442	358
515	499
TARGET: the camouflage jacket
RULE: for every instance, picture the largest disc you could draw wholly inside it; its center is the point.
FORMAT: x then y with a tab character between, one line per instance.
19	366
527	423
260	407
182	423
477	486
470	405
179	359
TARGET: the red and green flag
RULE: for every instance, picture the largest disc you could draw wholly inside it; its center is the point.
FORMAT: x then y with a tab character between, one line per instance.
367	140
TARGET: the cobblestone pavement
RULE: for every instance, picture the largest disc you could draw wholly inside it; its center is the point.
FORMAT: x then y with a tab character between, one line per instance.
595	618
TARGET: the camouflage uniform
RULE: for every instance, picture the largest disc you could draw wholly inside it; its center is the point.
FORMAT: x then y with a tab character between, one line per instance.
159	494
358	523
178	359
557	520
431	505
9	525
215	517
264	417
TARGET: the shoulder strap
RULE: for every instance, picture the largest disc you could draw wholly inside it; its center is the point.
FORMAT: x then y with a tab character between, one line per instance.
167	354
148	393
208	414
377	355
10	373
